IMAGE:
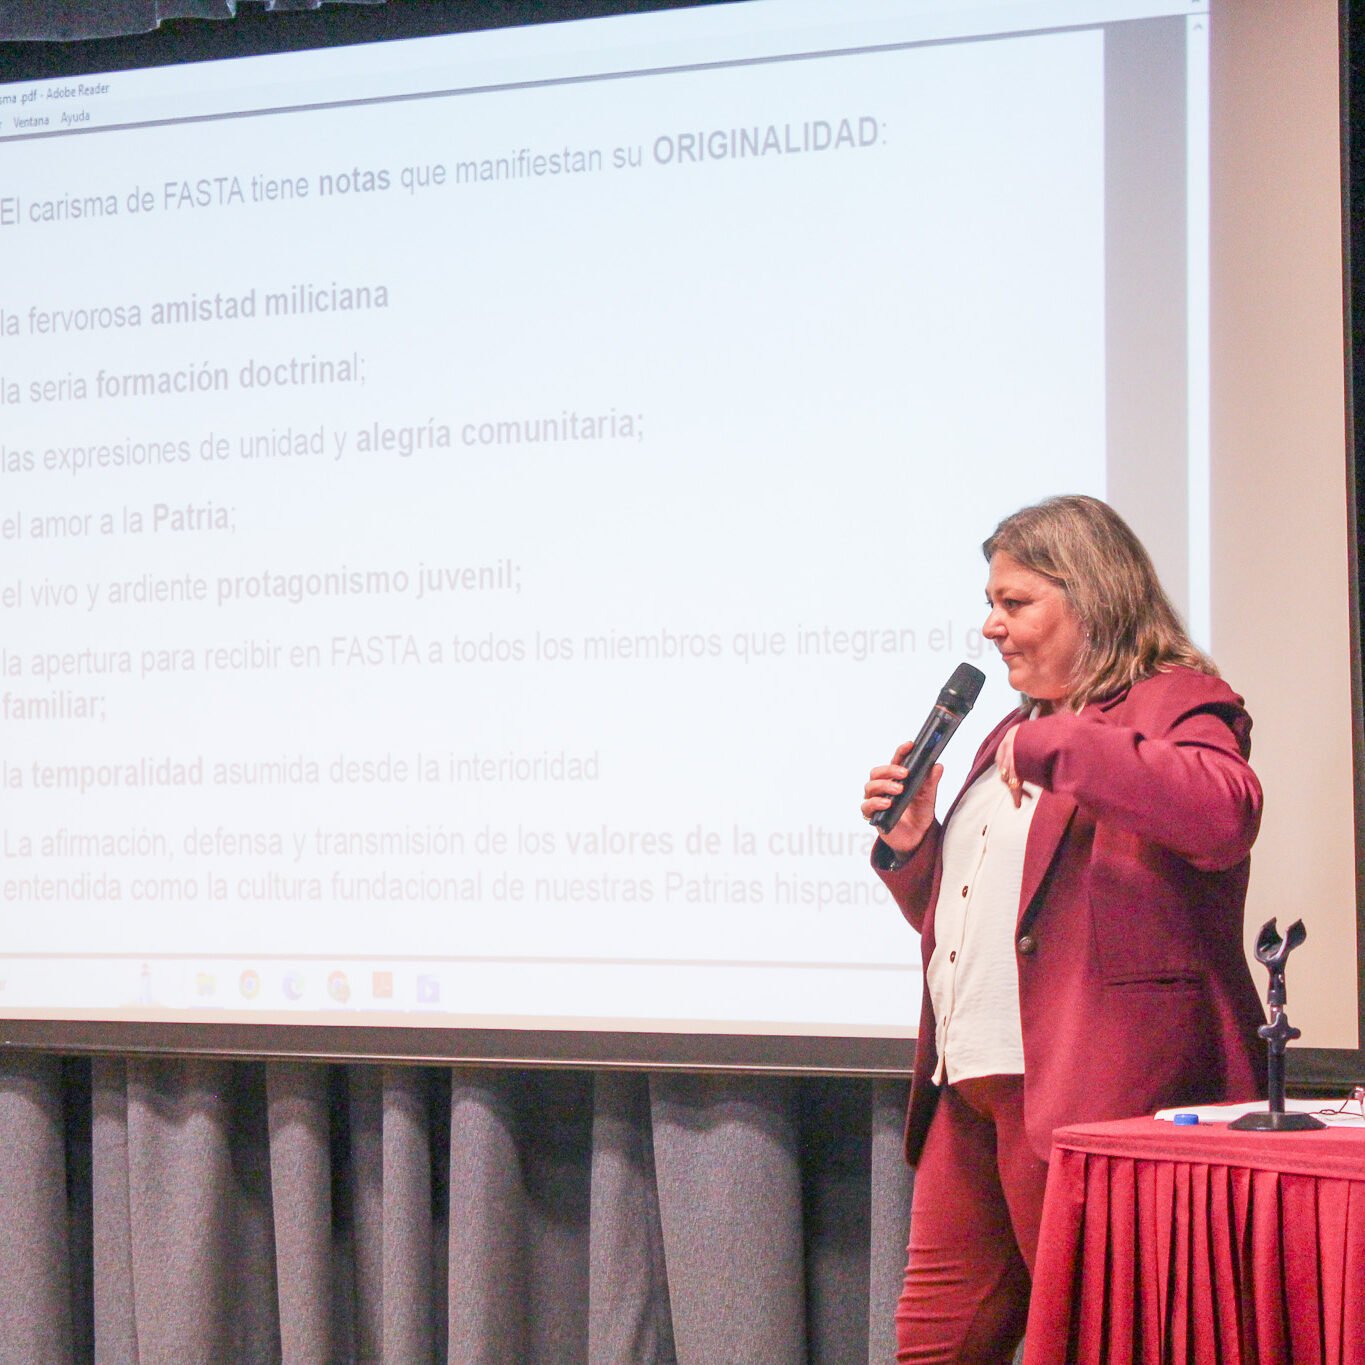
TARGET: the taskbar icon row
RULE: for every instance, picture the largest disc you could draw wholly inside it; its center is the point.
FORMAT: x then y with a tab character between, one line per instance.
309	986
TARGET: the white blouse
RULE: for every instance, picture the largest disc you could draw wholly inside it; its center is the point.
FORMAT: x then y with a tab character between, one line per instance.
973	978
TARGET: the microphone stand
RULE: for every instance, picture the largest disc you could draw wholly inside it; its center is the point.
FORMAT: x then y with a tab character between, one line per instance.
1272	951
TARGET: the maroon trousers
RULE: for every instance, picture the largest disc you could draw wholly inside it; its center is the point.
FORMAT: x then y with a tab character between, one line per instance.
974	1220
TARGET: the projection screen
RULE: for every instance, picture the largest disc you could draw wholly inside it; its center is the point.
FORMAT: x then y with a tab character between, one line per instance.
473	508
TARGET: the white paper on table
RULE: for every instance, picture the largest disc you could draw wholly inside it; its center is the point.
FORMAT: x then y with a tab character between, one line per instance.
1325	1109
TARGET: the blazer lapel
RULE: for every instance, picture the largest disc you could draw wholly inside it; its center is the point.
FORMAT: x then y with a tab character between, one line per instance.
1049	824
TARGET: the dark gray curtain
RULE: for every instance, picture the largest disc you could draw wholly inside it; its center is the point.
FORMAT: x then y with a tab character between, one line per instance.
189	1212
65	20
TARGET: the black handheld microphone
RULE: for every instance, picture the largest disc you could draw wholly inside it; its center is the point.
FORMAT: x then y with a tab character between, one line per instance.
954	702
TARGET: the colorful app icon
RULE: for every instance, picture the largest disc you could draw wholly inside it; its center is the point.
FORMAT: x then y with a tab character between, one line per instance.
249	984
204	984
293	986
338	987
381	985
428	990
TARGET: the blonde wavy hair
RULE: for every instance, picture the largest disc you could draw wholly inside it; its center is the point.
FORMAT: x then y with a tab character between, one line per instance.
1130	628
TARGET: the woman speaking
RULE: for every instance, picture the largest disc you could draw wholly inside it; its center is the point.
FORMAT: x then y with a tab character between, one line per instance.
1080	907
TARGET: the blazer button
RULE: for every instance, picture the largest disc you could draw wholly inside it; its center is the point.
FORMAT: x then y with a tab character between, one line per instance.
1027	944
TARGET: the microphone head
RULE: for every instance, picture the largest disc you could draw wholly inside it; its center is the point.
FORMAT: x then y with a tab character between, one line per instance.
962	689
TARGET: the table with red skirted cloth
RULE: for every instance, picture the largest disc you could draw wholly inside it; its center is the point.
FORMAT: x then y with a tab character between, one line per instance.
1200	1244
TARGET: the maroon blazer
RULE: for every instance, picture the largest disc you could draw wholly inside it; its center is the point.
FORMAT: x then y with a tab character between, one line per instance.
1134	990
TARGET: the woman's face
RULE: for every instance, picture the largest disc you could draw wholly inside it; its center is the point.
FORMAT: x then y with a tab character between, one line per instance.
1032	625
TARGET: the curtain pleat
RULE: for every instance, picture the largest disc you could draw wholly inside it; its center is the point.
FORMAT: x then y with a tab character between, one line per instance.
891	1183
35	1289
520	1172
115	1321
487	1272
628	1315
835	1134
192	1212
200	1215
1225	1261
365	1190
409	1320
730	1196
1353	1268
298	1104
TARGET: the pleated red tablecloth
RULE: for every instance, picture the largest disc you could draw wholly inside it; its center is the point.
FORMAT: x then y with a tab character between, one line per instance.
1166	1244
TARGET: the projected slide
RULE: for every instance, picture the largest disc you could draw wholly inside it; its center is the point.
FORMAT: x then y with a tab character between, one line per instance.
470	521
